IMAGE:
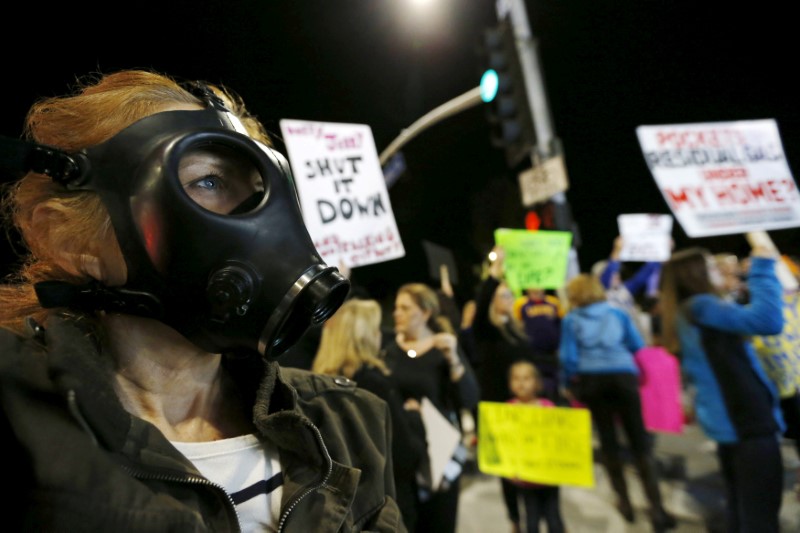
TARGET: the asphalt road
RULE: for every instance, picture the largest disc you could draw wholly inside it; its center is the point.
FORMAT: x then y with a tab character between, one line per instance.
691	486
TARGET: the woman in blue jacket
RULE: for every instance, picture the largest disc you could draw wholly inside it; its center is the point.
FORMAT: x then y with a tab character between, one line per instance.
735	404
598	343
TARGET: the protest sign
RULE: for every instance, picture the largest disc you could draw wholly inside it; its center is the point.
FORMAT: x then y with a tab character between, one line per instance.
660	389
442	438
722	178
439	256
534	259
549	445
645	237
342	192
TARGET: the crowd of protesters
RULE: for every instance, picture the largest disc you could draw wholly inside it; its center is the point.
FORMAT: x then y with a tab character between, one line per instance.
732	329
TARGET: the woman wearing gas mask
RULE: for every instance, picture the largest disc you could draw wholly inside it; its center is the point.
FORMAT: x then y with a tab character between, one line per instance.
169	266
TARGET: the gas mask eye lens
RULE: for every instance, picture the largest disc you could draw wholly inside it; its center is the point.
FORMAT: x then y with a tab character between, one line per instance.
221	179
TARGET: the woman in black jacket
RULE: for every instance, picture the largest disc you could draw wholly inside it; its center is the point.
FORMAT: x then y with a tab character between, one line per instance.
426	362
169	267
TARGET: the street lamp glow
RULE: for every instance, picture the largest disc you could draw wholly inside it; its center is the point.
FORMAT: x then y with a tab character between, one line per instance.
489	85
421	3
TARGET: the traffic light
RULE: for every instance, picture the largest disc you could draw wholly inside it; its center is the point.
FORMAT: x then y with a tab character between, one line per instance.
508	111
553	215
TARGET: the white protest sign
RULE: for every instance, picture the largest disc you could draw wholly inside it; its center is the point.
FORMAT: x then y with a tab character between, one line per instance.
442	437
342	192
645	237
722	178
543	180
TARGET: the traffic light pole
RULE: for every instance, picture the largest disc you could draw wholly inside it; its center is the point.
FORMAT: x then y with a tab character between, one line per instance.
546	143
517	13
458	104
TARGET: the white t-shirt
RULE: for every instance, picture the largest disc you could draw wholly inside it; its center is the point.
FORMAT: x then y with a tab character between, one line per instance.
248	470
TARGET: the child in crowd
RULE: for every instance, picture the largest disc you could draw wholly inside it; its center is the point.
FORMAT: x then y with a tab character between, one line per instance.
539	501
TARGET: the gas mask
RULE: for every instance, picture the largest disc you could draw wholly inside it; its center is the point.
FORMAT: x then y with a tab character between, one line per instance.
210	226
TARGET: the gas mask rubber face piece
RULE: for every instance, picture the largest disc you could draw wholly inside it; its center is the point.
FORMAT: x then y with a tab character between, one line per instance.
211	230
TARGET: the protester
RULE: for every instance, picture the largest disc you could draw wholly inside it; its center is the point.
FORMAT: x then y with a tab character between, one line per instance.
168	267
499	335
736	404
541	502
625	293
448	305
541	315
598	343
779	356
350	347
426	362
729	277
466	339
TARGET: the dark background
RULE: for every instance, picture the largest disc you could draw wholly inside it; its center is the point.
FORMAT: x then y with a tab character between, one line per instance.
608	67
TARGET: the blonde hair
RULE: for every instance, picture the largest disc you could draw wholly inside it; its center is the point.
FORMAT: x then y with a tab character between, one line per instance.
427	300
350	339
79	227
584	289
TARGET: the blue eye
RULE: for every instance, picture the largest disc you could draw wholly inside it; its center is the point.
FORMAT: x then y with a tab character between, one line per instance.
208	183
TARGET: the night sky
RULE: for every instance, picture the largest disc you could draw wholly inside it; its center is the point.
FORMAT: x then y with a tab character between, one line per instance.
607	69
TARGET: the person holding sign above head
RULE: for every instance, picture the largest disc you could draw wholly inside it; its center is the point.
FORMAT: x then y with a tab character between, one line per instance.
499	334
427	365
539	501
500	340
736	404
598	343
623	293
169	267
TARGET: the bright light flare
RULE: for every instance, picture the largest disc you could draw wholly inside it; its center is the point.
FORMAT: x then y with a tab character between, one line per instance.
490	82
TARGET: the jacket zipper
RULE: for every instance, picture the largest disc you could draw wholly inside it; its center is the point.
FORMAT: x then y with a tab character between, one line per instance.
139	474
321	484
72	404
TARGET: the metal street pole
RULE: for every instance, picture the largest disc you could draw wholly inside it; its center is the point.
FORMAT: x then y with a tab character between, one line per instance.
458	104
547	145
517	13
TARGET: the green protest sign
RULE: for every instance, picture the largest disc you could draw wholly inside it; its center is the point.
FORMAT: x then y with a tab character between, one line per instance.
534	259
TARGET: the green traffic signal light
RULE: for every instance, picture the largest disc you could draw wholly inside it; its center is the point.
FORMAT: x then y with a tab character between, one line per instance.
503	89
489	85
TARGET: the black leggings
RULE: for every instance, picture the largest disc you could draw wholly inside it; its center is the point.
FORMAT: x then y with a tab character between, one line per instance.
610	397
753	473
537	502
541	502
790	408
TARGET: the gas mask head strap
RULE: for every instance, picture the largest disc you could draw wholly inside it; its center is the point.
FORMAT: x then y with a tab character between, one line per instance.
18	157
203	92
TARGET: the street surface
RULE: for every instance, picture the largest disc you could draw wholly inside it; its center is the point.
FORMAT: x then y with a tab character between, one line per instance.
691	486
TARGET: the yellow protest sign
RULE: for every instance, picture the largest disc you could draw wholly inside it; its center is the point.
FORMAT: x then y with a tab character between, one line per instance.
534	259
548	445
